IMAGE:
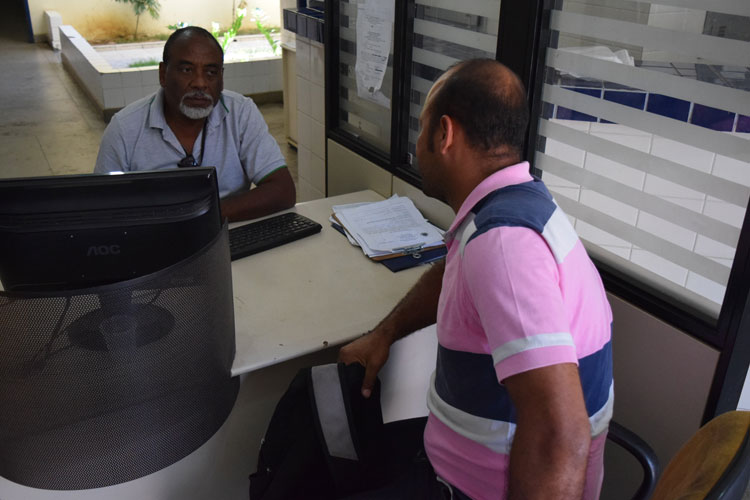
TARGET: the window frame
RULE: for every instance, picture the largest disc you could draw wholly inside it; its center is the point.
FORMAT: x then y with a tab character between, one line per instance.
523	36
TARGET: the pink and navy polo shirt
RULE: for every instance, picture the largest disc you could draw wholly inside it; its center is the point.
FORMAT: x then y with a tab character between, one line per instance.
519	292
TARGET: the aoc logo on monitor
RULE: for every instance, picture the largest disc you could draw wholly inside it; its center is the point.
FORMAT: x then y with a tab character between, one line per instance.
101	250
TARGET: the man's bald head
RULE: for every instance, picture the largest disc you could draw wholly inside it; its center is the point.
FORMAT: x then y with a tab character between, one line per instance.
487	100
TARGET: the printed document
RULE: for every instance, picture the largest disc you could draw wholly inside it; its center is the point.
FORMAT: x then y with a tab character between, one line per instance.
386	227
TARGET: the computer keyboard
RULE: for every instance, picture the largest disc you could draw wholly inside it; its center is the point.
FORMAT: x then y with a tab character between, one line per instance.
269	233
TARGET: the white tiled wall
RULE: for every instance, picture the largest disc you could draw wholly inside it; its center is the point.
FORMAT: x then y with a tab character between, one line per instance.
311	151
686	155
114	88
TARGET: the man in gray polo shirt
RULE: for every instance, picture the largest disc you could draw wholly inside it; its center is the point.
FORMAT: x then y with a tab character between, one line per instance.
192	121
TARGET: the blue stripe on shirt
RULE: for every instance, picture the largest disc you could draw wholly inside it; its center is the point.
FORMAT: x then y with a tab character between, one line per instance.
468	381
526	205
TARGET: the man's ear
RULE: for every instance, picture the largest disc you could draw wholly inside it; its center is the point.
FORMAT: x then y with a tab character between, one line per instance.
447	134
162	73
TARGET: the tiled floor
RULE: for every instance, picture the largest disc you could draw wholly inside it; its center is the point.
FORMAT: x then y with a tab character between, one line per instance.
48	126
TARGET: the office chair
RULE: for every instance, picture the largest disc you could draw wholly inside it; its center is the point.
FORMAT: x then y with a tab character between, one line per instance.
714	464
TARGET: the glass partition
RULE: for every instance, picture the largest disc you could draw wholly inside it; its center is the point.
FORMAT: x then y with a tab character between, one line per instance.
644	137
362	115
445	33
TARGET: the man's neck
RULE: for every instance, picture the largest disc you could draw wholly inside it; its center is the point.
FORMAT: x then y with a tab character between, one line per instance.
179	122
185	129
483	165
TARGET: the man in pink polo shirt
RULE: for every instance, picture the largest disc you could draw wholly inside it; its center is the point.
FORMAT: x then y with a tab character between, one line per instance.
522	392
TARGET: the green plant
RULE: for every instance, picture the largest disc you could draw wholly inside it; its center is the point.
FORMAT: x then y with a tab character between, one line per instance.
139	7
178	25
260	18
229	35
143	63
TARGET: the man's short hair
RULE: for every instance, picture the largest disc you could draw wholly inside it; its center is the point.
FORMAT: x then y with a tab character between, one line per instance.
492	111
187	31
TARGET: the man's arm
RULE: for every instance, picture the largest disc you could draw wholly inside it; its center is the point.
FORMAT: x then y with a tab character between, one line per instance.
550	449
112	154
416	310
275	192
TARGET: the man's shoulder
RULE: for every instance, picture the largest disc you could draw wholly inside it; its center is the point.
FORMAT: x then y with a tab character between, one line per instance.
234	101
528	204
134	112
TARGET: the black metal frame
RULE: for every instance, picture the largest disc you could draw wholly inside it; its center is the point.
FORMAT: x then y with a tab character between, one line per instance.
524	35
401	62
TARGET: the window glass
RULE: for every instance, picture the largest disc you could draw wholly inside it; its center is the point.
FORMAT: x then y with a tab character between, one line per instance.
363	118
446	32
644	137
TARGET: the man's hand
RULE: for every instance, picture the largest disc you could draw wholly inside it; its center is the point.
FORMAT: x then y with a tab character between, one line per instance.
416	310
370	351
275	192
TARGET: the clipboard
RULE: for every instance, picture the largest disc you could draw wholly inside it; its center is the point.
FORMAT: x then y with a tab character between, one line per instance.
404	260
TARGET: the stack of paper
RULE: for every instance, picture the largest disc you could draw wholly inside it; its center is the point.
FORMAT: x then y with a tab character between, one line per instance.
388	228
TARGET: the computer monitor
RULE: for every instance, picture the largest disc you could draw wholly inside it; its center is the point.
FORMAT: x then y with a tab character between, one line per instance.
80	231
116	325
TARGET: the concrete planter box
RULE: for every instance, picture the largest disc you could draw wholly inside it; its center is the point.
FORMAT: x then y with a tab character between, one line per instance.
112	88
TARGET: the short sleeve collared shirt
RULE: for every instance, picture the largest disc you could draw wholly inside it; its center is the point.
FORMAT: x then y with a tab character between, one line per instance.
237	142
519	292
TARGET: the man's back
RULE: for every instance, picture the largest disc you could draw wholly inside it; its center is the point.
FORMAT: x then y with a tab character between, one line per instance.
519	293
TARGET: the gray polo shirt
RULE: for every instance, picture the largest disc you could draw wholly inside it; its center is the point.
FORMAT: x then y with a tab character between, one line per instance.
238	143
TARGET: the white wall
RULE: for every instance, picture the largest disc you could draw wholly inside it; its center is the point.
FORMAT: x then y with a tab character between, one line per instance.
101	18
311	130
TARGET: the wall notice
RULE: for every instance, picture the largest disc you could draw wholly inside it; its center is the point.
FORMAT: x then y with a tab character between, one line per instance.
374	33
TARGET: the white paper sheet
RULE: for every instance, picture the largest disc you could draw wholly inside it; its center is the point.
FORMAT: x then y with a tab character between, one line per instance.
374	32
388	226
405	378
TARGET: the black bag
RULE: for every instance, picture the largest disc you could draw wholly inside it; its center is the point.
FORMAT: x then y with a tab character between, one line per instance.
324	438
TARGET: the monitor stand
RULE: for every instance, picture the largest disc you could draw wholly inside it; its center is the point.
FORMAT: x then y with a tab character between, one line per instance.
120	324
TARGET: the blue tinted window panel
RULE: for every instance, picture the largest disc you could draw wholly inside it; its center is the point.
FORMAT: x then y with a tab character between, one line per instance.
743	123
632	99
715	119
548	110
668	106
571	114
592	92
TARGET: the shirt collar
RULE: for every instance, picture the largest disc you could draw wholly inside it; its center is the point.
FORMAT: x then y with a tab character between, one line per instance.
507	176
156	117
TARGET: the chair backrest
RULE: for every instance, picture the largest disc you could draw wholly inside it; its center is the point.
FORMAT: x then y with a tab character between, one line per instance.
642	452
713	464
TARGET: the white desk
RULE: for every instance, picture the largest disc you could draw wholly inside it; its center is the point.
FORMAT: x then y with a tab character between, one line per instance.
315	292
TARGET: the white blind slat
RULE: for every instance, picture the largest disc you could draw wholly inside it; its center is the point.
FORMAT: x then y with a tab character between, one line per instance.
484	8
467	38
681	216
432	59
735	7
712	185
710	48
643	239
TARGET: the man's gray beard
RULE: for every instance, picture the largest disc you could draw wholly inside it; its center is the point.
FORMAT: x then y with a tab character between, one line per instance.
196	113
